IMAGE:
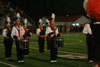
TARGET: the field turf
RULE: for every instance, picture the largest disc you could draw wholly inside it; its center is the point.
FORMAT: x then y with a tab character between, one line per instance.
74	44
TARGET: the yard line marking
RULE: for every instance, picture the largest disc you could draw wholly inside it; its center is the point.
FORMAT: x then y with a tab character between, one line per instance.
73	56
72	53
71	43
8	64
63	52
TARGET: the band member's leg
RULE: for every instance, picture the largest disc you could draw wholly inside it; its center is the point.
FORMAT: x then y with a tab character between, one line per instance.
90	47
6	48
53	50
48	44
41	45
19	51
10	47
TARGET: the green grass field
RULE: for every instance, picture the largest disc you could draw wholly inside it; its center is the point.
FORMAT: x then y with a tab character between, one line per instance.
73	44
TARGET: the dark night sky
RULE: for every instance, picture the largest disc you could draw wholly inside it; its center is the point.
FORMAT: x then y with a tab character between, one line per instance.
46	7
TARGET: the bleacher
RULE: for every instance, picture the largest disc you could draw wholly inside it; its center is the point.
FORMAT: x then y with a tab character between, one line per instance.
8	9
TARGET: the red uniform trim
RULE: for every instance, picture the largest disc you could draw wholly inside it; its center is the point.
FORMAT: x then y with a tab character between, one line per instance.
53	28
25	29
18	30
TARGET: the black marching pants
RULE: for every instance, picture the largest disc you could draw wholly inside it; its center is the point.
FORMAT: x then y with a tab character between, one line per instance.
20	51
8	47
41	44
48	43
53	49
89	42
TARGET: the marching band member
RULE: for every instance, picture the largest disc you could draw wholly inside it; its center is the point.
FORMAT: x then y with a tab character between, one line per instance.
17	33
26	38
41	37
8	41
89	41
93	12
52	32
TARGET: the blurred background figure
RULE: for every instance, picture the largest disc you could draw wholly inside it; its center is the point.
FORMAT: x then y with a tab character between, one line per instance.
26	38
8	41
52	32
41	37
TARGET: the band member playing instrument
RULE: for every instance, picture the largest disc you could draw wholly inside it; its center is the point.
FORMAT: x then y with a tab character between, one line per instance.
52	32
26	38
8	41
41	37
17	33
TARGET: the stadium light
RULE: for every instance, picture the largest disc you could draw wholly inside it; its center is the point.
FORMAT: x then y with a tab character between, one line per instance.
77	24
74	24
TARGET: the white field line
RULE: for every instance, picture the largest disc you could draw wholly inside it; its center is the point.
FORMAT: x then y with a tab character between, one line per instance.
63	52
8	64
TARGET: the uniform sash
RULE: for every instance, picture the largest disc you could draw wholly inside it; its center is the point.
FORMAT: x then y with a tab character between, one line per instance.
54	29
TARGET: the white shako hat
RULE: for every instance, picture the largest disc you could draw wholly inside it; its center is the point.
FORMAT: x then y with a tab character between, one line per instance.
25	21
53	16
40	21
18	15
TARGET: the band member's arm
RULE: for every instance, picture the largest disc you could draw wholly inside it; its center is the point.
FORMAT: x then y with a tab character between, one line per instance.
13	33
48	32
27	35
4	32
22	31
38	31
30	34
87	29
57	32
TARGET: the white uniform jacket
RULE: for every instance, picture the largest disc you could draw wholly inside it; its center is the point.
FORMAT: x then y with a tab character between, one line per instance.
49	30
15	32
38	31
